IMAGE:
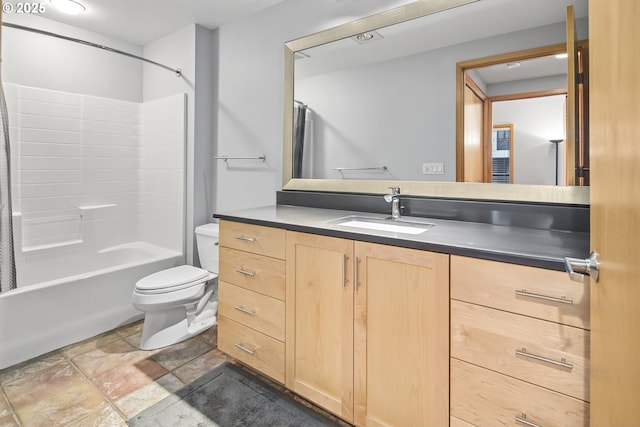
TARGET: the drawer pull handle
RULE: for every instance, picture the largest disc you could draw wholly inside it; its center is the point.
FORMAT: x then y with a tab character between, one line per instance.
245	272
524	293
344	270
246	311
562	362
245	349
523	420
246	239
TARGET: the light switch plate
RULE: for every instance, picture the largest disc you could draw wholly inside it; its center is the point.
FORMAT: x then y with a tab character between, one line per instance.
436	168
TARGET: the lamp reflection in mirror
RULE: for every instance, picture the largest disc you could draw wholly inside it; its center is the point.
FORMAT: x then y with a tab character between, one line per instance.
556	142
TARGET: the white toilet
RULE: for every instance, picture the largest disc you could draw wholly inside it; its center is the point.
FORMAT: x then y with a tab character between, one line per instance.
180	302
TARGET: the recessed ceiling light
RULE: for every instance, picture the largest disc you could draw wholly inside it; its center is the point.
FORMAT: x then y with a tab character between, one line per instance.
70	7
366	37
562	55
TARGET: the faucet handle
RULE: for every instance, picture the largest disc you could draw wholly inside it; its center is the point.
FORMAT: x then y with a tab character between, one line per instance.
395	191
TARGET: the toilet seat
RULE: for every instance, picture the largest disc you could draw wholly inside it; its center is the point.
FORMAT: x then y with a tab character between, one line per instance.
173	279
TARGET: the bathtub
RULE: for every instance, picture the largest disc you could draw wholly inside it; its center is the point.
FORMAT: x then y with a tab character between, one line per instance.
84	294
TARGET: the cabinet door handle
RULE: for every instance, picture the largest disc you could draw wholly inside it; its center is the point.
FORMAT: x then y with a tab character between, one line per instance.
246	239
523	420
245	272
245	349
245	310
344	271
524	293
562	362
357	278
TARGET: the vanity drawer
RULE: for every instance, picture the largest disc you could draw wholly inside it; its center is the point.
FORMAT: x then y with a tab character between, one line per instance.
550	355
253	238
485	398
254	272
536	292
257	311
252	348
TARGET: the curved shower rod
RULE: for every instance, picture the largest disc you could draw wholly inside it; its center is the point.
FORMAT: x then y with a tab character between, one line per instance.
177	71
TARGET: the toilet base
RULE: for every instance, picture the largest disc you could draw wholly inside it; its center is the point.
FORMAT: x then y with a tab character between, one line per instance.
172	326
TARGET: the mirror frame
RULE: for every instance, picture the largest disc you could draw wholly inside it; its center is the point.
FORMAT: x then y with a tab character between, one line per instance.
477	191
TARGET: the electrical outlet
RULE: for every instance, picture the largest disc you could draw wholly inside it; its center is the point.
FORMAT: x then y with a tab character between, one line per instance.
433	168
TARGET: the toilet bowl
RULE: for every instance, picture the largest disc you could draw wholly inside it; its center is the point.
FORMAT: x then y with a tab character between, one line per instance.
180	302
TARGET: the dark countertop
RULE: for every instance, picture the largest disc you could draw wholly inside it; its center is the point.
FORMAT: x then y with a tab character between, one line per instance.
516	245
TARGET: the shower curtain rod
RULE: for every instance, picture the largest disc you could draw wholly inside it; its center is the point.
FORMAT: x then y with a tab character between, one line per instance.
177	71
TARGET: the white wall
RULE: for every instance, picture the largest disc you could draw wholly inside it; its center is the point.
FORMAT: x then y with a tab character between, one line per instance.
36	60
95	171
193	50
44	62
536	121
161	172
251	76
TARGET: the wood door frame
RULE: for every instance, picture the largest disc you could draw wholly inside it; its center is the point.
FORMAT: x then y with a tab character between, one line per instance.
486	133
503	58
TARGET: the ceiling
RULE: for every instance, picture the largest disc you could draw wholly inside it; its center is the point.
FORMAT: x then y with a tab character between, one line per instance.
142	21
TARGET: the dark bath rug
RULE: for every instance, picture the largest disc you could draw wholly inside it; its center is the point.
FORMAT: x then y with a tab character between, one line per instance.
229	396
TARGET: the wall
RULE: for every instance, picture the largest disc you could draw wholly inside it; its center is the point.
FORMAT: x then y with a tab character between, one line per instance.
250	82
251	90
36	60
161	172
401	113
193	50
536	121
95	172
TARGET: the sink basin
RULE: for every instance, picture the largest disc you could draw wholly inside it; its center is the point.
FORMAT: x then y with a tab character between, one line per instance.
383	224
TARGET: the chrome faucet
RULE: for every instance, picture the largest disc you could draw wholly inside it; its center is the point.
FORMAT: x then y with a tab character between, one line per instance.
394	199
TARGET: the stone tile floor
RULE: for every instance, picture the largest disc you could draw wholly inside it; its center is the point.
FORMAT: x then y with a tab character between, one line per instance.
102	381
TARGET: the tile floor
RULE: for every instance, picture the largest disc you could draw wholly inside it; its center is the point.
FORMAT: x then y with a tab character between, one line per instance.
102	381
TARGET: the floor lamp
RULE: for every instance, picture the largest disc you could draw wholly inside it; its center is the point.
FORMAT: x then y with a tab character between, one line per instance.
556	142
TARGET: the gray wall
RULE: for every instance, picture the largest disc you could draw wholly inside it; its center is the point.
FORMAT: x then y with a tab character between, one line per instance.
193	50
251	93
251	76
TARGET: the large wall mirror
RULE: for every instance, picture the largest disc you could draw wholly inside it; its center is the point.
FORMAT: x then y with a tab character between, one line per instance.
373	103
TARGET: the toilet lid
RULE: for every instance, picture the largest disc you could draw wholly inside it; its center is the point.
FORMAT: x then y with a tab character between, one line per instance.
180	277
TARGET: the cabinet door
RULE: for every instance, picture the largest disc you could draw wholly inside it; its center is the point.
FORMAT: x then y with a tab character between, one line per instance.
319	328
401	337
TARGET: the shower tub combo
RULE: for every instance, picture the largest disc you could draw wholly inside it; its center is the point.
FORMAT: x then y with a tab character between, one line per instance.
90	293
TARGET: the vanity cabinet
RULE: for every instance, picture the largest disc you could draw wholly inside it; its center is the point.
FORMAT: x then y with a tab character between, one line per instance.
519	345
320	320
367	330
401	346
251	296
388	336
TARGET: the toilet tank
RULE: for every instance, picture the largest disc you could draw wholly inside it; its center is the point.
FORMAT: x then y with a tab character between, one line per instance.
208	249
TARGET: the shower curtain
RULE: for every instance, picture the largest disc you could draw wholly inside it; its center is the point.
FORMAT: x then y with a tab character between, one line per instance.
299	118
7	261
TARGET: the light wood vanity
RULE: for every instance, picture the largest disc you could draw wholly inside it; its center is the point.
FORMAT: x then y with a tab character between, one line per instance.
251	293
519	345
382	335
